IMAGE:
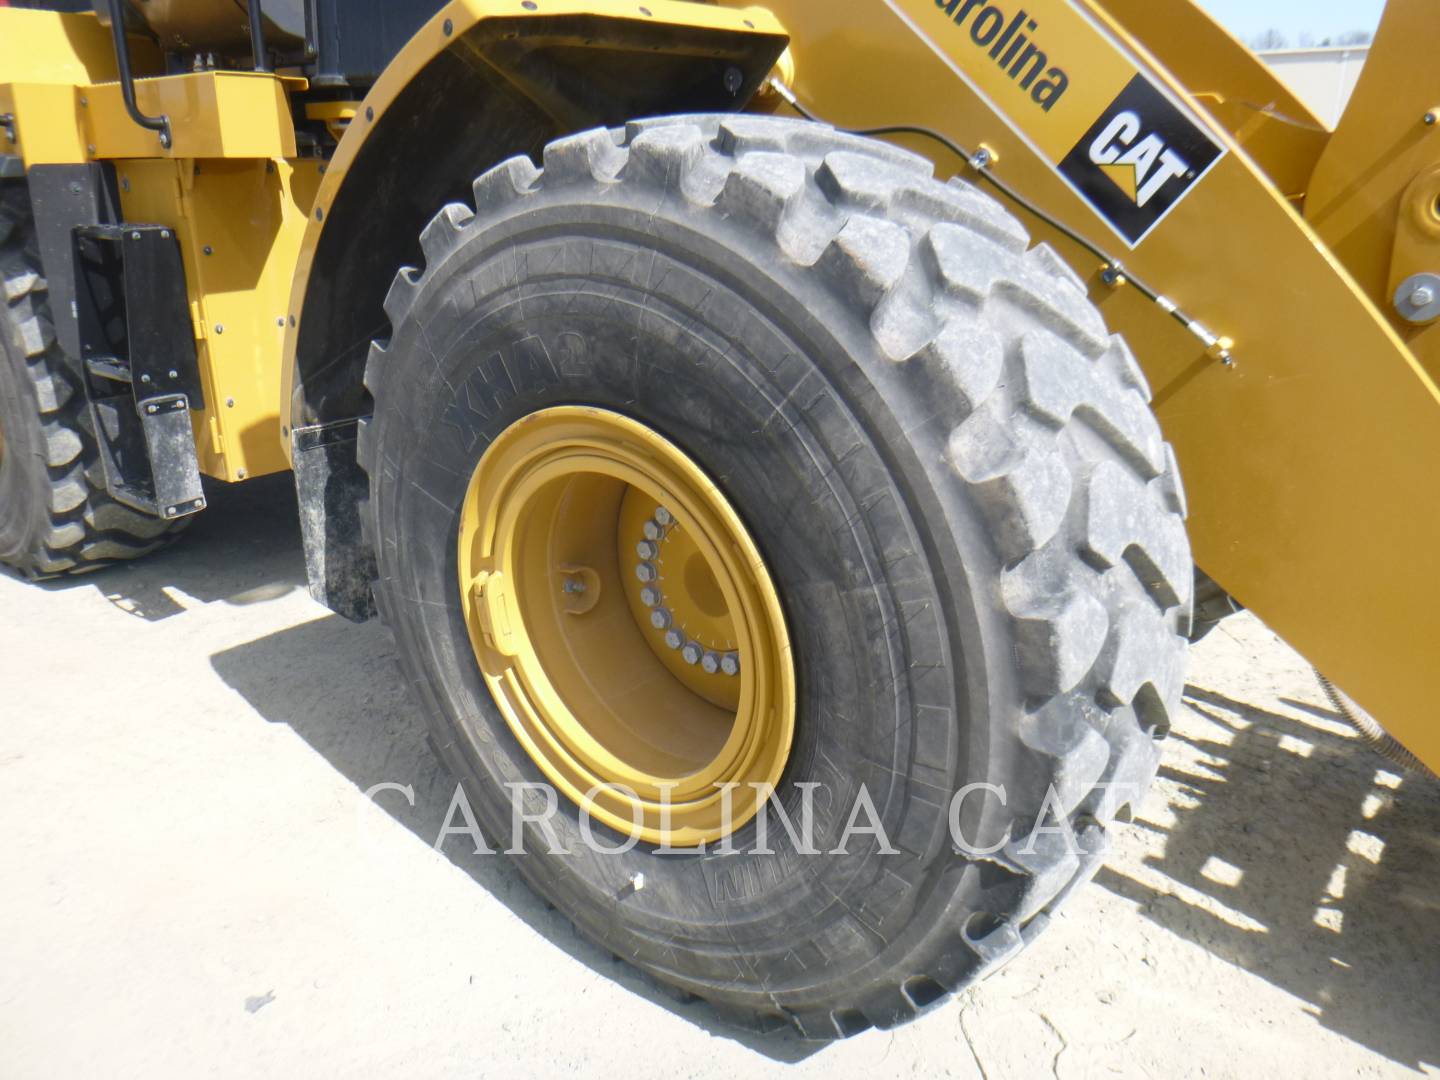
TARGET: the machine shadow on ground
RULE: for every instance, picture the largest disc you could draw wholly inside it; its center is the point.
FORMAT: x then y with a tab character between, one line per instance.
1284	849
339	688
337	685
244	549
1299	856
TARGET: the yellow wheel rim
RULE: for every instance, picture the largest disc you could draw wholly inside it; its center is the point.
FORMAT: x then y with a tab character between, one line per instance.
626	625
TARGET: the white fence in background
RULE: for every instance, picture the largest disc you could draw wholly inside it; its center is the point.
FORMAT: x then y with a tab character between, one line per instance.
1322	78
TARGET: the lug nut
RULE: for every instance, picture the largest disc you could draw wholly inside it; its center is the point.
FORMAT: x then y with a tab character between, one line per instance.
674	639
662	516
650	596
1422	296
691	652
574	585
645	572
660	619
651	529
710	662
730	664
646	549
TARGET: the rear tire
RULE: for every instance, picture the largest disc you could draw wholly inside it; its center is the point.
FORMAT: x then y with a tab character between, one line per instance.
950	467
55	515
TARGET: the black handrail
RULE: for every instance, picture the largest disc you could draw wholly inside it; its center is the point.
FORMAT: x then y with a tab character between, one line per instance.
257	35
160	123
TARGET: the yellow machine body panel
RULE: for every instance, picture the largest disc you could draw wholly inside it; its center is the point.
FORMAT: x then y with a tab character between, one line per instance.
239	223
44	47
231	187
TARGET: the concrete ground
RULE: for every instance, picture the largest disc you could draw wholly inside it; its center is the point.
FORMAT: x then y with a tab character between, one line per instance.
193	884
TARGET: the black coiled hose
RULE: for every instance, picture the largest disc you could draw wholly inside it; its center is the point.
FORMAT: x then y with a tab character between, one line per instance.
1369	729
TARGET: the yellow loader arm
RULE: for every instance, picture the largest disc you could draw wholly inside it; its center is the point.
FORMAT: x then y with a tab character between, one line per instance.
1310	462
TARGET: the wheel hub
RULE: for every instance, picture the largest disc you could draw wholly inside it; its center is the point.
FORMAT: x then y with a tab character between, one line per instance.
626	625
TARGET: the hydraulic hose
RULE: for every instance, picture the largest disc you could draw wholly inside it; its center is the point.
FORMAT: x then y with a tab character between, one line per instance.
1369	729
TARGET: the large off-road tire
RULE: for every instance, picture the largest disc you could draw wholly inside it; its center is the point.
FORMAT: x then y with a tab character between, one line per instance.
55	514
954	477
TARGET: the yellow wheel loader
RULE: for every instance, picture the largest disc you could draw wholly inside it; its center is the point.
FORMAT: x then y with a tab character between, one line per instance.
745	416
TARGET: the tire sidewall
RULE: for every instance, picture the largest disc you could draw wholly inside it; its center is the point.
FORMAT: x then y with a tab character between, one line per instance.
762	379
23	505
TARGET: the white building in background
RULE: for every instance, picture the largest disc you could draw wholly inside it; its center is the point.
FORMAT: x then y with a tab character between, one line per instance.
1322	78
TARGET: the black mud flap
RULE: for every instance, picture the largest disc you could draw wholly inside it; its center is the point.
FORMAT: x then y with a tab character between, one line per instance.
331	487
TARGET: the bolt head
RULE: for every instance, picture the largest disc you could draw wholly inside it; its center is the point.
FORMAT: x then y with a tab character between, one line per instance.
674	639
663	516
650	596
691	653
710	662
730	664
651	529
174	374
1422	296
646	549
660	619
645	572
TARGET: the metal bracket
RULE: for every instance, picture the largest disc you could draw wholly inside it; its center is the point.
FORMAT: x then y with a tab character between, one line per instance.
170	443
134	312
141	372
494	606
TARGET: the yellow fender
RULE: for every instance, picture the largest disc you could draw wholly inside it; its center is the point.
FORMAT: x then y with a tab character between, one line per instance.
482	81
